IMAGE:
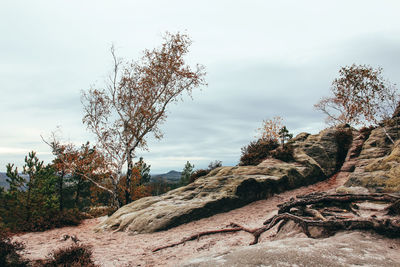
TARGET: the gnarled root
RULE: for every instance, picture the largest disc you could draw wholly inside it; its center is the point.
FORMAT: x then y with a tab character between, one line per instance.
299	211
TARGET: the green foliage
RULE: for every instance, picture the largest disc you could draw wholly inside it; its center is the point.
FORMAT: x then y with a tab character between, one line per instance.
161	186
197	174
257	151
284	135
186	173
203	172
284	153
144	170
214	164
32	203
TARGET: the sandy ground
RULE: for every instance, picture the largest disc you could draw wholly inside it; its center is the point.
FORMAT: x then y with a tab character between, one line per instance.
124	249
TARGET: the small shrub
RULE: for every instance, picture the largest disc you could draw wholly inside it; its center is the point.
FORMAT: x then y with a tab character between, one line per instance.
9	251
56	220
76	255
203	172
284	153
100	211
257	151
197	174
214	164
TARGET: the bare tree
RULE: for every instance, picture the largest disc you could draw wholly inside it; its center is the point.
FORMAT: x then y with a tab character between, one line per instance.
134	101
361	96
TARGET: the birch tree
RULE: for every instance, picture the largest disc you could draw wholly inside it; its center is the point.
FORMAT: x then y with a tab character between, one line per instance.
133	102
361	96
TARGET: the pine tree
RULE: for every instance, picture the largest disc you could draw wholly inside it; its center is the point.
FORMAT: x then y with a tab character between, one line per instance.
284	135
186	173
144	170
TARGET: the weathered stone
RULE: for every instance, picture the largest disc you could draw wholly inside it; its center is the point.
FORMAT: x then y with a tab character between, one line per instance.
321	149
381	174
378	166
227	188
343	249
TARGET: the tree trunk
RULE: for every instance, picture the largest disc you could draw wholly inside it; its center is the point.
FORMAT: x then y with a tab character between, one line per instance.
116	201
60	190
28	199
128	179
78	193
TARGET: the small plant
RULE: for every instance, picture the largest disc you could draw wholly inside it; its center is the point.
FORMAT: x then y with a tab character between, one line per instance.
9	251
214	164
197	174
284	153
54	220
284	135
76	255
257	151
270	129
203	172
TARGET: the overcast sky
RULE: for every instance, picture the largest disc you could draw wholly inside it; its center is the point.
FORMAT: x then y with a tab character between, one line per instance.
263	58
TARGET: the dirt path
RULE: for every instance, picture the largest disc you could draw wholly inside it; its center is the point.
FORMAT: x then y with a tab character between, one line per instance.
123	249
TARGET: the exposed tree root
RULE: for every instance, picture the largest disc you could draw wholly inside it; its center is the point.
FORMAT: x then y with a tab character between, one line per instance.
198	235
331	219
332	199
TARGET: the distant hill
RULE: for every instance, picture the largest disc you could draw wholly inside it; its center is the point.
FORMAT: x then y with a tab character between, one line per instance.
3	182
3	177
171	177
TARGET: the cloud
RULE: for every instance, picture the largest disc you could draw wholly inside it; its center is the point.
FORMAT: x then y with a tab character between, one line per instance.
263	58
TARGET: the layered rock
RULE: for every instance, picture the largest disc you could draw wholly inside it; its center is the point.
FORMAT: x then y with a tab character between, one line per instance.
316	157
378	166
343	249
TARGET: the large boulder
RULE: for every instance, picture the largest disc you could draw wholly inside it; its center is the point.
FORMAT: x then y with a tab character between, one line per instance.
378	166
326	149
227	188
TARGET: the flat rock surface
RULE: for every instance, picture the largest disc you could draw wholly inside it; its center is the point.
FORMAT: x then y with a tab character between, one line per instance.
343	249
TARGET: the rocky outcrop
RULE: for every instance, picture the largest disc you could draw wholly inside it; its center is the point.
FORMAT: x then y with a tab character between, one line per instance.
226	188
378	166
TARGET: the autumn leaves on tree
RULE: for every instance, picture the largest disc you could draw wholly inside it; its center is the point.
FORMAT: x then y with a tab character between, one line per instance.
361	96
134	101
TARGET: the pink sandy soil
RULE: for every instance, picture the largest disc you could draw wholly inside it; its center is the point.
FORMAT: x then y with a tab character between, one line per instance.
125	249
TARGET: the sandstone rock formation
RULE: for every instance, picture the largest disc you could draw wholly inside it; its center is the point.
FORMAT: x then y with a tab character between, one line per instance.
316	157
378	166
343	249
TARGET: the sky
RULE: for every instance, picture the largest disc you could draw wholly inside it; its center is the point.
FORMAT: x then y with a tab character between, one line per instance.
263	59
